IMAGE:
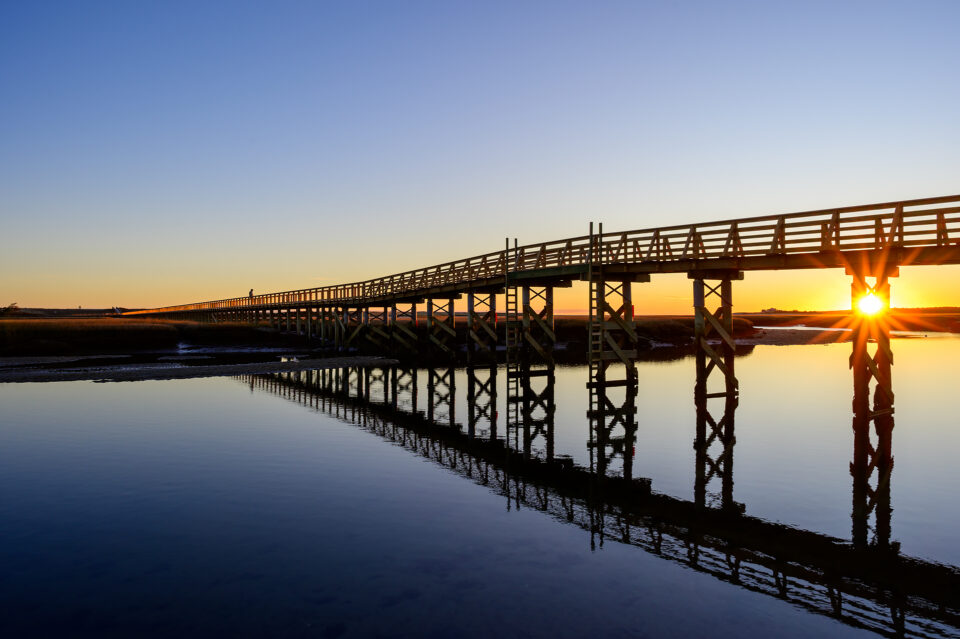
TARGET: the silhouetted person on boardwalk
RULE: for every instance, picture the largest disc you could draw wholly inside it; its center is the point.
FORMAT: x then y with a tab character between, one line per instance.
251	293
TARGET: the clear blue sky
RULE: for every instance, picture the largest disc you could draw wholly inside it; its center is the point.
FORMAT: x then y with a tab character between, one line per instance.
164	152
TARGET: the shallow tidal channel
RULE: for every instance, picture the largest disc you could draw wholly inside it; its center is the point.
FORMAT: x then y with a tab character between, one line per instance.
255	506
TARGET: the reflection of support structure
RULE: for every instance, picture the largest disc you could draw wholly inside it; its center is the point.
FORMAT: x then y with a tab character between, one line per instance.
872	454
440	396
613	427
714	438
482	402
404	384
886	593
531	408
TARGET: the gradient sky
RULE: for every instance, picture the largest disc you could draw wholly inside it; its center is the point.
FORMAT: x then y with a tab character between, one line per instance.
154	153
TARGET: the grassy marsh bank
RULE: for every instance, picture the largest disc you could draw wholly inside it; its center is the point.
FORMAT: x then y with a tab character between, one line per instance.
85	336
118	335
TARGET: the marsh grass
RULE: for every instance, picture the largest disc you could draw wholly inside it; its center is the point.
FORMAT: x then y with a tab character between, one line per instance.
110	335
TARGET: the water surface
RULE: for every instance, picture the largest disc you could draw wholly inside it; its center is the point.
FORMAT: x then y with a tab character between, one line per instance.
268	506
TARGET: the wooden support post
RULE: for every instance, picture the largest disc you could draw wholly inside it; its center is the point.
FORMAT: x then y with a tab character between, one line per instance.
378	331
442	332
537	323
403	326
470	311
481	324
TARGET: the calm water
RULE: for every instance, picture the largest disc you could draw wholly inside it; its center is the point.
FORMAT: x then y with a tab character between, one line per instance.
272	506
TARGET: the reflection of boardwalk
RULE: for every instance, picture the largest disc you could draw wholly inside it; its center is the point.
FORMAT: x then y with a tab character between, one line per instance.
864	584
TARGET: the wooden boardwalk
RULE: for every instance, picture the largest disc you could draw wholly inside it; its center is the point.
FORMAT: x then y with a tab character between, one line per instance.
911	232
384	314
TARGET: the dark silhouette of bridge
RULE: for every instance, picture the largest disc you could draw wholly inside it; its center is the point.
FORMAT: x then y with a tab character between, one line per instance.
870	241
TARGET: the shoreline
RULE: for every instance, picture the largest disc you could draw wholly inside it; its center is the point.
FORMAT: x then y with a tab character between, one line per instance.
141	372
24	369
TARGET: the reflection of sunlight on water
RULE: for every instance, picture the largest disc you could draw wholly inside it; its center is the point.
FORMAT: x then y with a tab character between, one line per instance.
799	327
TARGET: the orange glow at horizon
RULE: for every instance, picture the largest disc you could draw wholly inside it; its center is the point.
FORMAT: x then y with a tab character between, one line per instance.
142	285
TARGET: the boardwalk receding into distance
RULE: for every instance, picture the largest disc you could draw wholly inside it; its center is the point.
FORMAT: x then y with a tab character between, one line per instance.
910	232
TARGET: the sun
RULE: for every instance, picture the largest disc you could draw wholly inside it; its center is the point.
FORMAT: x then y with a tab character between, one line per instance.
870	304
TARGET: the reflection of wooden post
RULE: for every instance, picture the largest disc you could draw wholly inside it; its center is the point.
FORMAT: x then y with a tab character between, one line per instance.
482	399
871	493
440	390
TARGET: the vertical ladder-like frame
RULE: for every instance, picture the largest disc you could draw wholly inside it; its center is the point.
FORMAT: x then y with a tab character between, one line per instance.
612	352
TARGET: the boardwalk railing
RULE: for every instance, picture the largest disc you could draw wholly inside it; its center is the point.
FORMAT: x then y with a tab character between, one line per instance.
909	224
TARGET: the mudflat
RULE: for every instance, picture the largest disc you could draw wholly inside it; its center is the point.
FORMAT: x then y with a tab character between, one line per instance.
172	371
